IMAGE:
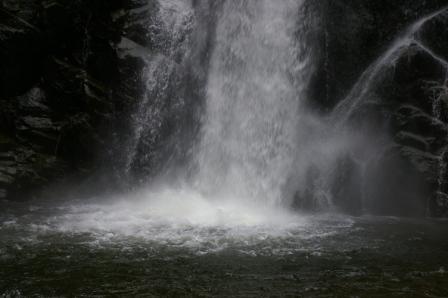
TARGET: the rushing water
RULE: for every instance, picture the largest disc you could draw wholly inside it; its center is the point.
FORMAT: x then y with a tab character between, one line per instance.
115	249
372	75
255	88
227	229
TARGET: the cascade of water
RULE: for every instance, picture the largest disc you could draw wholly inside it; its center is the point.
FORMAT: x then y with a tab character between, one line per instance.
373	73
169	29
255	88
257	140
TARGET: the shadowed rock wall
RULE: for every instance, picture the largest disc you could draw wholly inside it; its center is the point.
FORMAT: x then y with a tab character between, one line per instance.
71	80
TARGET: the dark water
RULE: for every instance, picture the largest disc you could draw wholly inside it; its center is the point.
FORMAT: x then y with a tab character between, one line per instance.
326	256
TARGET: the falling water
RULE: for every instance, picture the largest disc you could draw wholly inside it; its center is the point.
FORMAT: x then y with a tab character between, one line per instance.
373	73
226	224
255	93
257	141
169	26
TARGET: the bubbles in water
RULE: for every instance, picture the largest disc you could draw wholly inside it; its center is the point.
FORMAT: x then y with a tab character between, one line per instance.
181	219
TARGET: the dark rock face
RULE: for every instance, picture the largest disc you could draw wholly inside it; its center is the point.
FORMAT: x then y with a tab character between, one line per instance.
408	100
395	187
354	33
347	189
71	88
65	90
167	119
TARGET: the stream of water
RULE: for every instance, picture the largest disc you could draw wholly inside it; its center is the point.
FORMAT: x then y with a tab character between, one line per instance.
226	228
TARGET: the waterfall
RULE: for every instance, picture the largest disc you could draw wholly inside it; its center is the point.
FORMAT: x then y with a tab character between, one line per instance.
226	88
170	26
254	103
373	73
367	83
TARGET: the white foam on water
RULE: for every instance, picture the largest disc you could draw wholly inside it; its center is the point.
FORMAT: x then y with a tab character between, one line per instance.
174	218
156	214
251	143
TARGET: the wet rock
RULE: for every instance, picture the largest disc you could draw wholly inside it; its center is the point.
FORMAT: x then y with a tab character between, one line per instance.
70	78
33	103
39	123
407	100
347	186
395	186
5	179
7	156
22	50
307	199
439	204
59	60
6	143
435	36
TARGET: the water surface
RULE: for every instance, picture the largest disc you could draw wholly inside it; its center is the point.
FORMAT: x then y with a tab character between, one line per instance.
83	249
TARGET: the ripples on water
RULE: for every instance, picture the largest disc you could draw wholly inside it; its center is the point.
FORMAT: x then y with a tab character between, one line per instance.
179	244
181	219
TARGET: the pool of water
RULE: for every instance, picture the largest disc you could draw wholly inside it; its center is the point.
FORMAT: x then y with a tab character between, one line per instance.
174	249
